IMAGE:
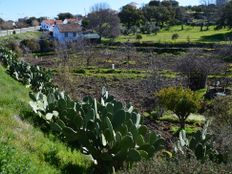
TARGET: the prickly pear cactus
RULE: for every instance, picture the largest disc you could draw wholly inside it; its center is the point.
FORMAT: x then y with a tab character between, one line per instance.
105	129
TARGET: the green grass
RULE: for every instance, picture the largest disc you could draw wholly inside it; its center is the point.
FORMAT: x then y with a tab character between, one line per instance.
168	74
192	118
188	129
120	73
201	92
192	34
110	73
24	148
18	37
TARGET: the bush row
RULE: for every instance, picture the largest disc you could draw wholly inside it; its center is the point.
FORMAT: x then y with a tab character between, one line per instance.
32	45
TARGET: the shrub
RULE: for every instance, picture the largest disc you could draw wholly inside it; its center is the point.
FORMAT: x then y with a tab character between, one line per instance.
221	114
46	45
32	44
221	111
196	66
150	27
200	145
179	100
178	165
157	113
175	36
139	37
79	71
15	47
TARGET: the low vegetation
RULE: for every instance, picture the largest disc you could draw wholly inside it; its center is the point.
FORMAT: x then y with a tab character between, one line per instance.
181	101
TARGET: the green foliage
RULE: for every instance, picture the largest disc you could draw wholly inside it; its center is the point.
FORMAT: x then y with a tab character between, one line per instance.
178	165
130	16
33	76
46	45
200	144
63	16
31	44
165	36
139	36
221	112
150	27
11	162
14	46
27	149
109	132
179	100
175	36
159	14
225	16
157	113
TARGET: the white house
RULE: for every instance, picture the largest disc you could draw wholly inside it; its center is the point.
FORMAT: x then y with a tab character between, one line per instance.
48	25
67	32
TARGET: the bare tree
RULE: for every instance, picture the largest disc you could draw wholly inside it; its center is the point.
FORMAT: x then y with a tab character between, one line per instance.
104	21
128	52
196	66
62	52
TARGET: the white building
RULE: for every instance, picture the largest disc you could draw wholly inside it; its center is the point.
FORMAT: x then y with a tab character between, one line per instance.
48	25
67	32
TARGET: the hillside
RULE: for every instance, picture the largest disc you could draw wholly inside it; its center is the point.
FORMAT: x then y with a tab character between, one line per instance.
189	34
24	148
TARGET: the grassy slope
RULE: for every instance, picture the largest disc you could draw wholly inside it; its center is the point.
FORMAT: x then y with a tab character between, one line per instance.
25	149
22	36
193	33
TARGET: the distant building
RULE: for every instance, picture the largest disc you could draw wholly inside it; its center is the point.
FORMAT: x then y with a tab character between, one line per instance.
221	2
48	24
91	36
67	32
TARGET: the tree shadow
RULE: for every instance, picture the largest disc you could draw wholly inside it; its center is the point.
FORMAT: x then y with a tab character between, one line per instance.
217	37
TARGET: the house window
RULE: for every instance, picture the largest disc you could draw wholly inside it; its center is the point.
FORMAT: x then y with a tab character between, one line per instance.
74	34
65	34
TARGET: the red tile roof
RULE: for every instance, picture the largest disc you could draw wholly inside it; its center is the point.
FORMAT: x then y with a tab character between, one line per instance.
72	20
52	21
69	28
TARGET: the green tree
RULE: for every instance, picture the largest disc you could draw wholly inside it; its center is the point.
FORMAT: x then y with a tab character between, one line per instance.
154	3
85	23
160	15
179	100
63	16
226	16
131	16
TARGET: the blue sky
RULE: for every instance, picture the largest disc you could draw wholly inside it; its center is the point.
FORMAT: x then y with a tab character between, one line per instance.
14	9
